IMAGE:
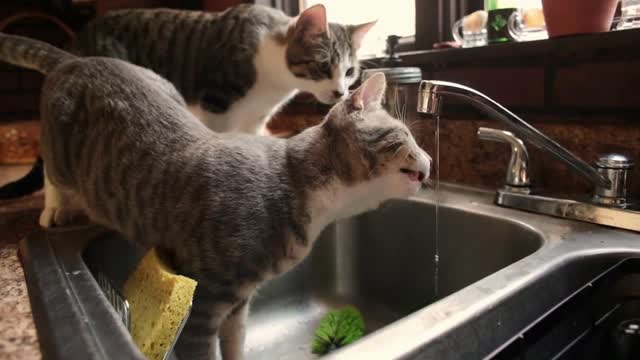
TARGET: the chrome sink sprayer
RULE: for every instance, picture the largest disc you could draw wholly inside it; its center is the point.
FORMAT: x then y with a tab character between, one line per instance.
610	205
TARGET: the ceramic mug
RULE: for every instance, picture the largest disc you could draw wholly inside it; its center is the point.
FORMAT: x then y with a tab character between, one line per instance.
527	25
470	31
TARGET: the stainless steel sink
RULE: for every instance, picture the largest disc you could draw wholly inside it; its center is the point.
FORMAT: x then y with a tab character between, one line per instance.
497	271
479	320
382	262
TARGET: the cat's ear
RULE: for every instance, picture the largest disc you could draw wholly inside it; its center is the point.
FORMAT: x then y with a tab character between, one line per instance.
358	32
370	93
312	22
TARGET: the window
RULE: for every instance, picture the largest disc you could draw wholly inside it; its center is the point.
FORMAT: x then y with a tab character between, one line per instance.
395	17
398	17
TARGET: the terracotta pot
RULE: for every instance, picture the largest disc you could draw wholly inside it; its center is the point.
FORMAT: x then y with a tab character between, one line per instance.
567	17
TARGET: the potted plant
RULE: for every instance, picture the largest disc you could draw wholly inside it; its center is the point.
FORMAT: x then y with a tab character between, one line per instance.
568	17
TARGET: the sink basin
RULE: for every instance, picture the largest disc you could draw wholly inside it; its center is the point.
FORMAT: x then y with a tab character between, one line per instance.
501	276
510	313
382	261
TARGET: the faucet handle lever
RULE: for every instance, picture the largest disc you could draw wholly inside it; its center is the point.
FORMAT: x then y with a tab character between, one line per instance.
615	168
517	172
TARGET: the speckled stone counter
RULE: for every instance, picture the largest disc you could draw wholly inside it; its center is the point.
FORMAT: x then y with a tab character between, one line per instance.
18	338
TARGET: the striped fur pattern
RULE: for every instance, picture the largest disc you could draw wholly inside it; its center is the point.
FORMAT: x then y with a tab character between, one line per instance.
229	210
237	67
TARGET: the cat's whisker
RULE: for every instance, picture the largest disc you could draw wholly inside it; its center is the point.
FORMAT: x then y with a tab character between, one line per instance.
392	144
325	52
412	125
366	63
398	150
370	172
404	113
396	110
406	156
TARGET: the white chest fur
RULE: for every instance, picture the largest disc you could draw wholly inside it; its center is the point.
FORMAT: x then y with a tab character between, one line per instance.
274	86
333	202
337	201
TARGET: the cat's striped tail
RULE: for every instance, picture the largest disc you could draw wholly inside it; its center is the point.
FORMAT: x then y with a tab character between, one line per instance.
31	53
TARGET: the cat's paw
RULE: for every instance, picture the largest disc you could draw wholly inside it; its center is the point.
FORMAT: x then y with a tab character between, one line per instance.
51	216
46	217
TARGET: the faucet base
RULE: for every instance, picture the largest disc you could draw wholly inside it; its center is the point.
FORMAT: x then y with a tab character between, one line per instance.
619	202
625	218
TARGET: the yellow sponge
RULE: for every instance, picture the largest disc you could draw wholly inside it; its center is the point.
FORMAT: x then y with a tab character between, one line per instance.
158	301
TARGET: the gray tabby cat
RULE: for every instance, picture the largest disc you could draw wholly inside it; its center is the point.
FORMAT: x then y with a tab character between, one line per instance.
229	210
235	68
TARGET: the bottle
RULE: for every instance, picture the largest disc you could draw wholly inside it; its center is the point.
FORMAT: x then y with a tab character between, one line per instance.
499	12
503	4
630	14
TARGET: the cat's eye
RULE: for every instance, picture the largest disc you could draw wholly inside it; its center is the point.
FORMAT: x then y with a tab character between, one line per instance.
350	71
325	68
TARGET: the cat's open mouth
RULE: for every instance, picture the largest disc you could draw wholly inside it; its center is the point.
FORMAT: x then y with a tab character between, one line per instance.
413	175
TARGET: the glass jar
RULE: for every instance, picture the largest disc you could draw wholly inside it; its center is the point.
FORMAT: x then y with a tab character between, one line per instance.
629	15
402	88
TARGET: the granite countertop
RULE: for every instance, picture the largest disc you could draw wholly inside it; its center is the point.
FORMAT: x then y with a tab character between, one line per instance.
18	338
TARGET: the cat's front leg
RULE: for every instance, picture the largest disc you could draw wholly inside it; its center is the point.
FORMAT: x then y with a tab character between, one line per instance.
197	340
233	332
60	207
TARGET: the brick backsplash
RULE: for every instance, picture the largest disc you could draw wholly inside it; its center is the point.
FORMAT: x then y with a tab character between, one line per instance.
594	85
467	160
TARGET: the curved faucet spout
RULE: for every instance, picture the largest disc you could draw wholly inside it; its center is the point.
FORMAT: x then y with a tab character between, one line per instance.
430	102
